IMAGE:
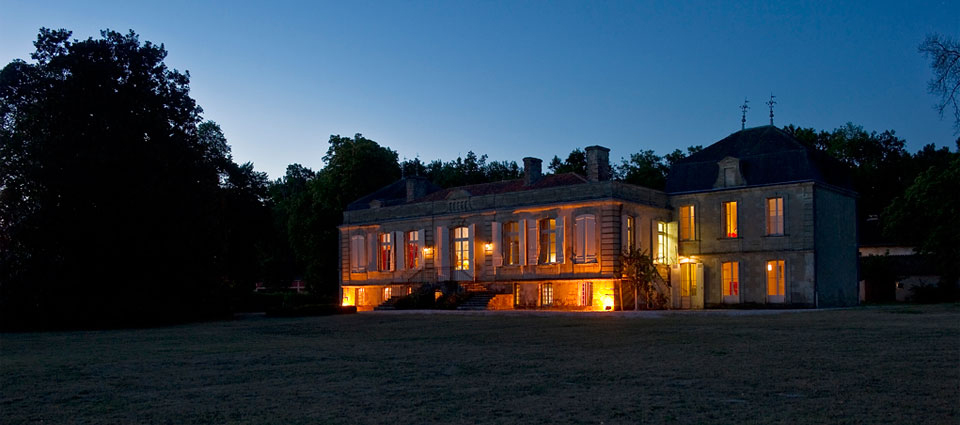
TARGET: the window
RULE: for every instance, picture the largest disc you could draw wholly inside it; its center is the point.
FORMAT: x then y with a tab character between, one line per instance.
412	254
776	279
546	294
688	280
730	274
386	293
385	259
516	294
774	216
687	223
661	242
548	241
730	219
358	257
511	243
631	232
586	293
585	241
729	176
461	248
361	296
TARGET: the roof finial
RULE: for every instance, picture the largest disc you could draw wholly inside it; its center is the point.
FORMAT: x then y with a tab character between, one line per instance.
744	107
770	103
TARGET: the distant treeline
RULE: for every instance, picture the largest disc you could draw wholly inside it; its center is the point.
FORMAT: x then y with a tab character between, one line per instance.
120	205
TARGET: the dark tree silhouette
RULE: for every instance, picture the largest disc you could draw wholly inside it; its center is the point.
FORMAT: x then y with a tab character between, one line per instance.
116	202
944	55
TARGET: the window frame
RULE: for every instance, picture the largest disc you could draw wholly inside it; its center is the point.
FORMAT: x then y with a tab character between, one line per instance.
731	228
688	280
775	221
546	294
631	232
585	298
462	249
385	247
511	243
730	278
547	254
662	242
777	270
358	263
413	258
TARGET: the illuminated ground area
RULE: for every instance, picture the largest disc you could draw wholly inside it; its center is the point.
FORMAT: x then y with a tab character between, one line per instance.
869	365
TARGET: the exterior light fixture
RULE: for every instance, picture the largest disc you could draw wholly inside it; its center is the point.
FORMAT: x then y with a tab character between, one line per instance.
608	303
488	246
769	267
427	251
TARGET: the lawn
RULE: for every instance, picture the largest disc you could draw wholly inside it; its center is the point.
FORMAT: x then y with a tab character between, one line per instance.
892	364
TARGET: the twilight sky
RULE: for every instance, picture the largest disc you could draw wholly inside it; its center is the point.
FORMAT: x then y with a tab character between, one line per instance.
524	78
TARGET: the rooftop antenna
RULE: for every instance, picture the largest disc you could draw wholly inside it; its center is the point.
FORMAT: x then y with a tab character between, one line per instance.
770	103
744	107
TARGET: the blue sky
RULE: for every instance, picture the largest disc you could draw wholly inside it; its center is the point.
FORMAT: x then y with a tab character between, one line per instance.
515	79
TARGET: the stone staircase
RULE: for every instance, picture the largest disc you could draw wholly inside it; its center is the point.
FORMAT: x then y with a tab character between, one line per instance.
388	304
478	301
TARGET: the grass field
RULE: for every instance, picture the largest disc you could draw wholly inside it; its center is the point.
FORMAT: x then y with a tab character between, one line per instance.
897	364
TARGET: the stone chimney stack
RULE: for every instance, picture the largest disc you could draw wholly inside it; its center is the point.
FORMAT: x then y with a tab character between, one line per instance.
416	188
532	170
598	163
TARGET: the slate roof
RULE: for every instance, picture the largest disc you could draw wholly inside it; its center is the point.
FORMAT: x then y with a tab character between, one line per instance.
396	192
767	155
392	194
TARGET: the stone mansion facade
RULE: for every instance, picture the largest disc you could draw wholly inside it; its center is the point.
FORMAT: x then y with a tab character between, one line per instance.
754	219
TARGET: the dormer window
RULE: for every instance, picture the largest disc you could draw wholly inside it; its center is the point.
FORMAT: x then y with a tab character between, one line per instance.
729	173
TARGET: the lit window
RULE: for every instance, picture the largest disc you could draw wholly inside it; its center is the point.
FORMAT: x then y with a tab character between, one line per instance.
585	241
516	294
546	294
385	259
387	293
412	254
358	257
511	242
774	216
631	230
687	223
661	242
730	219
730	274
586	293
461	248
548	241
776	279
361	296
688	279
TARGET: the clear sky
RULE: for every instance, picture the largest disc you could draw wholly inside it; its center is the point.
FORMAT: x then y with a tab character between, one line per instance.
523	78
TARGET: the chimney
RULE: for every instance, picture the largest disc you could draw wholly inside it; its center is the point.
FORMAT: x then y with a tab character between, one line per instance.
532	170
416	188
598	163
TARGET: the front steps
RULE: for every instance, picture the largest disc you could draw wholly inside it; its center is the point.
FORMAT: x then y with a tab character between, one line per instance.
478	301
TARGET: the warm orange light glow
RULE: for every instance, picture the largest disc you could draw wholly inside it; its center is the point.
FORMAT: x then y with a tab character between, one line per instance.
427	251
608	303
769	267
488	246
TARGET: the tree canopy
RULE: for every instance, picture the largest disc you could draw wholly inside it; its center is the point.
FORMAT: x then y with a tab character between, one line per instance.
944	54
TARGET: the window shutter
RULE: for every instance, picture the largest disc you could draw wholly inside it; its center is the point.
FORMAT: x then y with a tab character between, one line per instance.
442	253
590	239
654	240
475	255
399	251
579	238
497	241
697	301
533	237
623	234
672	242
523	242
421	238
675	285
372	251
560	256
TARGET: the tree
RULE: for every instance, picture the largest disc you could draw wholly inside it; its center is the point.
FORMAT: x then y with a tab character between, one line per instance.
944	55
926	215
645	169
639	273
576	162
112	203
